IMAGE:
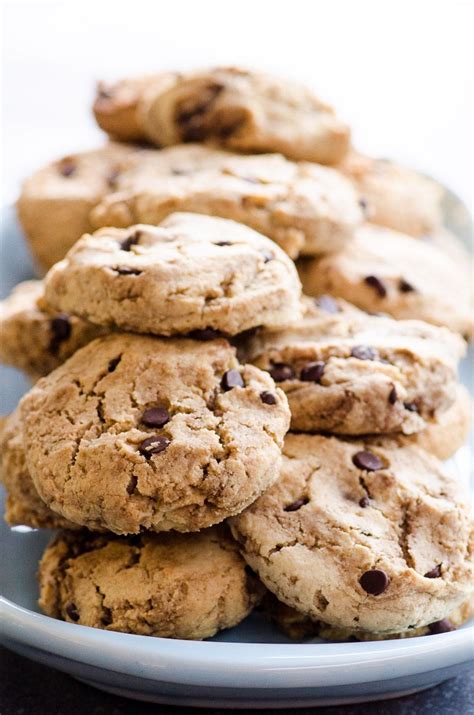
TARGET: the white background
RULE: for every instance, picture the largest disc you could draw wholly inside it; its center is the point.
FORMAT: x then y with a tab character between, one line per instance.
398	71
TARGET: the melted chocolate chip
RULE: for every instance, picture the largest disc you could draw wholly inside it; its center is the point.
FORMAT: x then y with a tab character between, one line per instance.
280	372
231	379
312	372
155	417
130	241
374	581
392	395
205	334
127	271
327	303
60	327
377	284
72	612
411	406
367	460
405	287
297	504
364	502
153	445
67	167
268	398
364	352
443	626
434	573
113	363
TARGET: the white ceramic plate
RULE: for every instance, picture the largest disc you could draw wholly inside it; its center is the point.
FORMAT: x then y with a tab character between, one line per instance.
251	665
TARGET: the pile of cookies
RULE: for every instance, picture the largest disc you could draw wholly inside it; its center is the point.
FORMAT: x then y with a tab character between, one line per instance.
207	438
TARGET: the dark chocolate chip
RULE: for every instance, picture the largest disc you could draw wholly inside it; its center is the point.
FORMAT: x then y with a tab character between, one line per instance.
132	484
72	612
208	95
60	331
67	167
443	626
268	398
364	502
364	352
405	287
155	417
434	573
205	334
377	284
367	460
127	271
223	243
327	303
114	362
374	581
280	372
392	395
411	406
153	445
231	379
106	618
312	372
130	241
297	504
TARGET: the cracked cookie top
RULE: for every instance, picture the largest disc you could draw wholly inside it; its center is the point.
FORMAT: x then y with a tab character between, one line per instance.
190	273
168	585
136	432
362	535
348	372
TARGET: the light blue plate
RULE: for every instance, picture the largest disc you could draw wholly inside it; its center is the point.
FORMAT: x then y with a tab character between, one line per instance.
252	665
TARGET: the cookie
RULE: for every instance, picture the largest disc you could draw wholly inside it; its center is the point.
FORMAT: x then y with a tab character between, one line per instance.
191	273
136	432
351	373
23	504
395	196
244	111
297	626
362	535
171	585
382	270
34	340
55	202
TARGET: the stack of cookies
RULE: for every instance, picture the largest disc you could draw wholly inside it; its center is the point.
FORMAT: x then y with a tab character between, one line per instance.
207	438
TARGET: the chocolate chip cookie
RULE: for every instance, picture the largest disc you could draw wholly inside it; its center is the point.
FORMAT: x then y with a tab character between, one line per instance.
361	535
190	273
136	432
170	585
351	373
34	340
244	111
382	270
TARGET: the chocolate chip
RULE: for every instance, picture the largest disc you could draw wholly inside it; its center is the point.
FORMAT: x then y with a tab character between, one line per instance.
153	445
280	372
130	241
60	327
72	612
443	626
312	372
268	398
377	284
208	95
267	256
127	271
411	406
155	417
132	484
434	573
113	363
374	581
67	167
364	352
205	334
392	395
297	504
405	287
363	204
327	303
367	460
231	379
223	243
364	502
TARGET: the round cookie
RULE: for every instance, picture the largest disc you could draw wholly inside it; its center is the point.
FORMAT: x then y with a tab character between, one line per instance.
395	197
362	535
34	340
170	585
190	273
352	373
136	432
251	112
55	202
23	504
382	270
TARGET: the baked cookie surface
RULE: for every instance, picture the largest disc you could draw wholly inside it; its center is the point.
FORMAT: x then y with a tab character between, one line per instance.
348	372
170	585
135	433
361	535
233	108
190	273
